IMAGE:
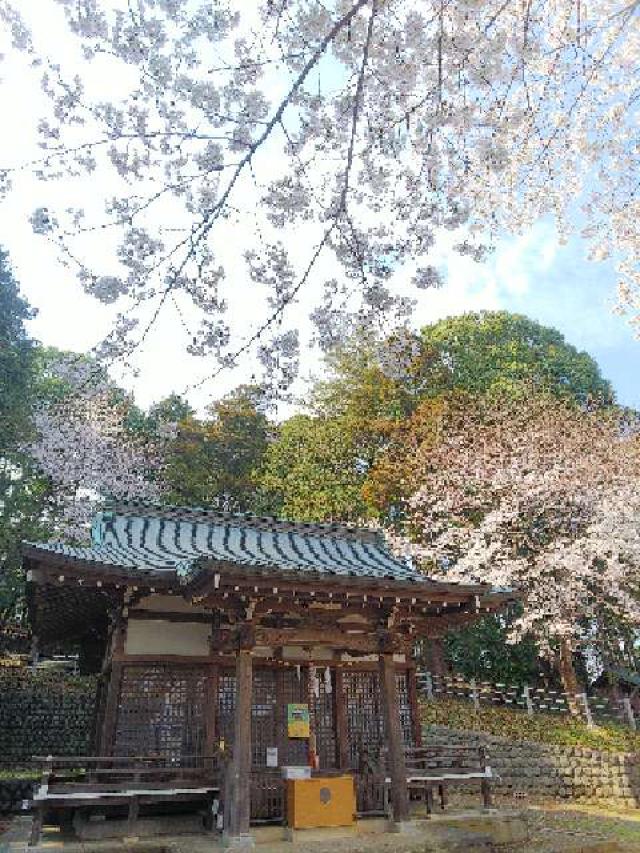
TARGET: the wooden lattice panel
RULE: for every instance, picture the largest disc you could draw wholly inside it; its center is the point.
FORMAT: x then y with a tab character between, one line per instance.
264	723
324	714
365	724
161	711
406	713
366	733
226	707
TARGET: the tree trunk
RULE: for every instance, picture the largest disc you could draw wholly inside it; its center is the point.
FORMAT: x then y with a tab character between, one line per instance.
568	675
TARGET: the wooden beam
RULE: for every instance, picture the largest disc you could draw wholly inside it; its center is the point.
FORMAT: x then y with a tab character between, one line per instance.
238	782
230	575
174	659
166	616
396	767
48	566
365	643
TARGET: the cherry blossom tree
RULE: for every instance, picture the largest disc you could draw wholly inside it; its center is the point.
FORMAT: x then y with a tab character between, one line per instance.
86	448
538	494
279	134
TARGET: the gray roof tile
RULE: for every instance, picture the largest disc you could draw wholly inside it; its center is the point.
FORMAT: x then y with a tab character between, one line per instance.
172	539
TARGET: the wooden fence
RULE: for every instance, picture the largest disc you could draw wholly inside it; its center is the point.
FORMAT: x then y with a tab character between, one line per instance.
532	700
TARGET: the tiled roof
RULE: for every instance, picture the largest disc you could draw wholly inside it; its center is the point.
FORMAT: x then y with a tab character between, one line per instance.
157	539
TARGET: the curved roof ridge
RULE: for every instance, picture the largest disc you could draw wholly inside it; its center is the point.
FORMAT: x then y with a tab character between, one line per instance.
240	519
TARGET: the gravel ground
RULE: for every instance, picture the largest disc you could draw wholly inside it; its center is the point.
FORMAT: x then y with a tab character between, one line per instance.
552	829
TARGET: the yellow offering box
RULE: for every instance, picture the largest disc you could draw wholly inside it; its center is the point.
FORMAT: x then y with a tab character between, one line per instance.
321	801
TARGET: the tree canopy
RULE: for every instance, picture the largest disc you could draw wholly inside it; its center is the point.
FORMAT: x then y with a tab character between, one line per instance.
16	360
215	461
24	495
312	472
364	126
496	351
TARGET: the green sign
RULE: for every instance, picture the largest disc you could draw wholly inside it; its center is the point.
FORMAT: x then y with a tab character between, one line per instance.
298	720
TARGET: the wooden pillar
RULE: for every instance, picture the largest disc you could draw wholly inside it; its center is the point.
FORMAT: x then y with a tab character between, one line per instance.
112	698
237	794
110	719
435	656
342	730
396	769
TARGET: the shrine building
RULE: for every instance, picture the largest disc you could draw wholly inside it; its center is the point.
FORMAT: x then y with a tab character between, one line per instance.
277	644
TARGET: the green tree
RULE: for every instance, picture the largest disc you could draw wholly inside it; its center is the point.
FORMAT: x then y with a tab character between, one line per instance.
312	472
214	461
16	361
495	351
481	651
23	493
372	380
171	410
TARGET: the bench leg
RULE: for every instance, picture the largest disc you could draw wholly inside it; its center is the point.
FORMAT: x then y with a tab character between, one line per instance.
132	817
212	813
485	787
429	799
443	795
36	826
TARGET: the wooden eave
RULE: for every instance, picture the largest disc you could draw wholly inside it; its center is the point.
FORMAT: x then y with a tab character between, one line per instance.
214	577
69	598
69	595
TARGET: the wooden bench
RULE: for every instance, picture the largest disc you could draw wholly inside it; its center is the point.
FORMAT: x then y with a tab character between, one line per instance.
430	767
88	783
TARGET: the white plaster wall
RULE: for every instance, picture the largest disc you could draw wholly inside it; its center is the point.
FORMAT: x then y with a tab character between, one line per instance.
160	637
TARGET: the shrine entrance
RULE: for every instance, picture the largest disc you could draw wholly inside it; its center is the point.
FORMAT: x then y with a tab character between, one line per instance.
164	710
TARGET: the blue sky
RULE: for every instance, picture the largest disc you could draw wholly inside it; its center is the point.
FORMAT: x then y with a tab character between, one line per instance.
554	284
576	297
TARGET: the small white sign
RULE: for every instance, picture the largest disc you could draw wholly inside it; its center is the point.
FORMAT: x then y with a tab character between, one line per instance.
272	756
296	772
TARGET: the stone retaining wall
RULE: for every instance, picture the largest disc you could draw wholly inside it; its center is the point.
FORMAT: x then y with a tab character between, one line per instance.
44	713
15	794
541	770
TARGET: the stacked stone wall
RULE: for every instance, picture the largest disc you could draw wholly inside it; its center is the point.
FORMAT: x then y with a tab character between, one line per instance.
44	713
536	770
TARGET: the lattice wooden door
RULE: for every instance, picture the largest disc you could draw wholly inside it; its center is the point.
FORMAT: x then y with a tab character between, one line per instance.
161	711
366	732
273	690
